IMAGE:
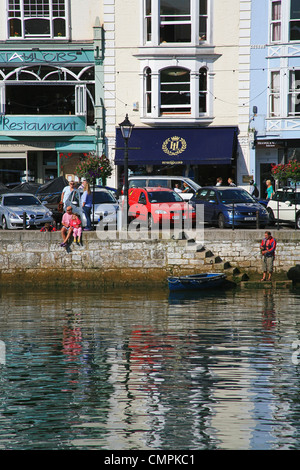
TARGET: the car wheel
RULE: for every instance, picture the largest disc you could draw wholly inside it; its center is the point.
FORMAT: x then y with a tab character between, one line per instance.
271	216
4	223
298	221
221	221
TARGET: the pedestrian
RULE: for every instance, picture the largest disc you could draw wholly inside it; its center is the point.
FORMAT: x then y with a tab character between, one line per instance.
48	228
87	202
75	223
177	188
253	189
66	230
69	194
230	182
270	190
219	181
267	248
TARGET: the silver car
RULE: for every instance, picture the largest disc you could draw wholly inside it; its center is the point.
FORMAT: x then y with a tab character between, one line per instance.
105	208
14	206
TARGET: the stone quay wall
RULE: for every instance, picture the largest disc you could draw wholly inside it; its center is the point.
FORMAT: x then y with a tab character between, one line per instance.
35	257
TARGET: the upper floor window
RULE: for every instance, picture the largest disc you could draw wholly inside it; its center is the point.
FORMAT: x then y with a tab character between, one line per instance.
274	95
175	21
175	96
30	19
295	20
294	93
276	20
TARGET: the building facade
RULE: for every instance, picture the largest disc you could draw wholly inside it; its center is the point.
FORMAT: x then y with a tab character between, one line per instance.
173	67
50	104
275	84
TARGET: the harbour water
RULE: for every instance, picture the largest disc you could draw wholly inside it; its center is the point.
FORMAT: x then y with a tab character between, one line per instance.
136	369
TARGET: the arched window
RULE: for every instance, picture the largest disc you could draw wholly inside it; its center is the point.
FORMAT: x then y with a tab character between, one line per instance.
202	90
175	94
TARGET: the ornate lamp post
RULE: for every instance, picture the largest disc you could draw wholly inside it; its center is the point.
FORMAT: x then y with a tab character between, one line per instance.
126	129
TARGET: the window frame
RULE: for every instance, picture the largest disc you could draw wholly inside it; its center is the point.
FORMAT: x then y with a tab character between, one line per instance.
17	17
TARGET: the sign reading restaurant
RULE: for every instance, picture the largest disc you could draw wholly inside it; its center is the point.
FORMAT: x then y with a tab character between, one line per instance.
35	124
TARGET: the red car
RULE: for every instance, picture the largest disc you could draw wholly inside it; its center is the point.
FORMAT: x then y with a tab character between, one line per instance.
158	206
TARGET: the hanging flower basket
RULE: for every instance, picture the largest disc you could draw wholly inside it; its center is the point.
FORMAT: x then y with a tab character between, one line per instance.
93	167
288	171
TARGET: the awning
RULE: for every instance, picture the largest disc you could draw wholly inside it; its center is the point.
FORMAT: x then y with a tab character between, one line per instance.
198	146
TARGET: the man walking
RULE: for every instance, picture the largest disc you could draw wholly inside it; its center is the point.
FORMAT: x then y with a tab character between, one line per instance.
267	248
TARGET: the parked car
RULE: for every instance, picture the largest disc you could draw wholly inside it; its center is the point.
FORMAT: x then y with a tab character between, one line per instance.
165	182
105	208
225	207
155	206
13	206
285	206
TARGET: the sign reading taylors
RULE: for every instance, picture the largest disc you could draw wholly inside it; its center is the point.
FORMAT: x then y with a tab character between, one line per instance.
202	146
41	124
40	57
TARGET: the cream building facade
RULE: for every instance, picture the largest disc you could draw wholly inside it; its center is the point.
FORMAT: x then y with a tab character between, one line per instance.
179	70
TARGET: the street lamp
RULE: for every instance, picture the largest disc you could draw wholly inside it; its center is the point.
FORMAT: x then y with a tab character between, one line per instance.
126	129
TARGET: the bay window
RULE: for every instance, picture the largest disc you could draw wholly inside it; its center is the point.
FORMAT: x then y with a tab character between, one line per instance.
175	21
30	19
275	94
294	93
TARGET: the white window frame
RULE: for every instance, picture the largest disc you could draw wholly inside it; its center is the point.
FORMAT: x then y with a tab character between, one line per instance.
194	67
284	21
194	21
20	14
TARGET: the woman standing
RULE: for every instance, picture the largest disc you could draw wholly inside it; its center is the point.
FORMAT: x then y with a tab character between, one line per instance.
87	201
270	190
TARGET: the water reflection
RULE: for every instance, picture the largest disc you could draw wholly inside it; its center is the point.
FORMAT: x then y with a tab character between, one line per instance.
144	370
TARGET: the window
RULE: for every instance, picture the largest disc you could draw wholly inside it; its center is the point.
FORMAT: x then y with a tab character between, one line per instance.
202	90
175	90
276	21
295	20
29	19
46	90
275	94
175	21
148	88
294	93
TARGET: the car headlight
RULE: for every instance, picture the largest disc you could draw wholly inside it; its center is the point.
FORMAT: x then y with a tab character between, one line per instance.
13	215
48	214
160	211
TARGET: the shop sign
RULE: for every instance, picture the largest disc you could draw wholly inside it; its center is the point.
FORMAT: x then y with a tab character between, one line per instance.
39	57
45	124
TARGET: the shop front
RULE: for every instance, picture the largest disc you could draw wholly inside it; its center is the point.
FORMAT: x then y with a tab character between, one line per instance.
203	154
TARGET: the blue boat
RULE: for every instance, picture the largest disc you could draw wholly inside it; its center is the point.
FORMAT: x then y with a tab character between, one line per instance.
196	281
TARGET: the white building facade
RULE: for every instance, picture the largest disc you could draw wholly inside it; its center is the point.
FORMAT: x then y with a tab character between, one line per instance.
180	70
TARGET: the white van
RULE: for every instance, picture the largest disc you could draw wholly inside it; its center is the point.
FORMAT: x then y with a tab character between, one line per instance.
177	183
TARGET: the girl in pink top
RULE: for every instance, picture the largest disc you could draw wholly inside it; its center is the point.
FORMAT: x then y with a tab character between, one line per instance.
75	223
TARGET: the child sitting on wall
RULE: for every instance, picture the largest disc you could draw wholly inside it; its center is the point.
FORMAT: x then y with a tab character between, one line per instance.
75	222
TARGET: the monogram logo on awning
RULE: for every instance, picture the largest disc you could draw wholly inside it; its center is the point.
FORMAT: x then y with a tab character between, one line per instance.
174	145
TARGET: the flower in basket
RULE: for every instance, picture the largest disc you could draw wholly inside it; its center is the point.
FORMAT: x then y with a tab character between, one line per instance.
290	170
93	167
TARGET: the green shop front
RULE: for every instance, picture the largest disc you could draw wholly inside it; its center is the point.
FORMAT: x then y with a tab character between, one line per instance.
47	113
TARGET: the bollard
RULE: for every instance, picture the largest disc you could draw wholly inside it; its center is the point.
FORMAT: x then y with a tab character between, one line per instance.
257	219
24	220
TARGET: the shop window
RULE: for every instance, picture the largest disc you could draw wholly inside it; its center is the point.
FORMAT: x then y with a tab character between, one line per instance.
36	19
175	91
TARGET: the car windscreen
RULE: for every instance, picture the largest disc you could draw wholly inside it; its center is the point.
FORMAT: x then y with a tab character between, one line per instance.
21	201
164	196
101	197
229	196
